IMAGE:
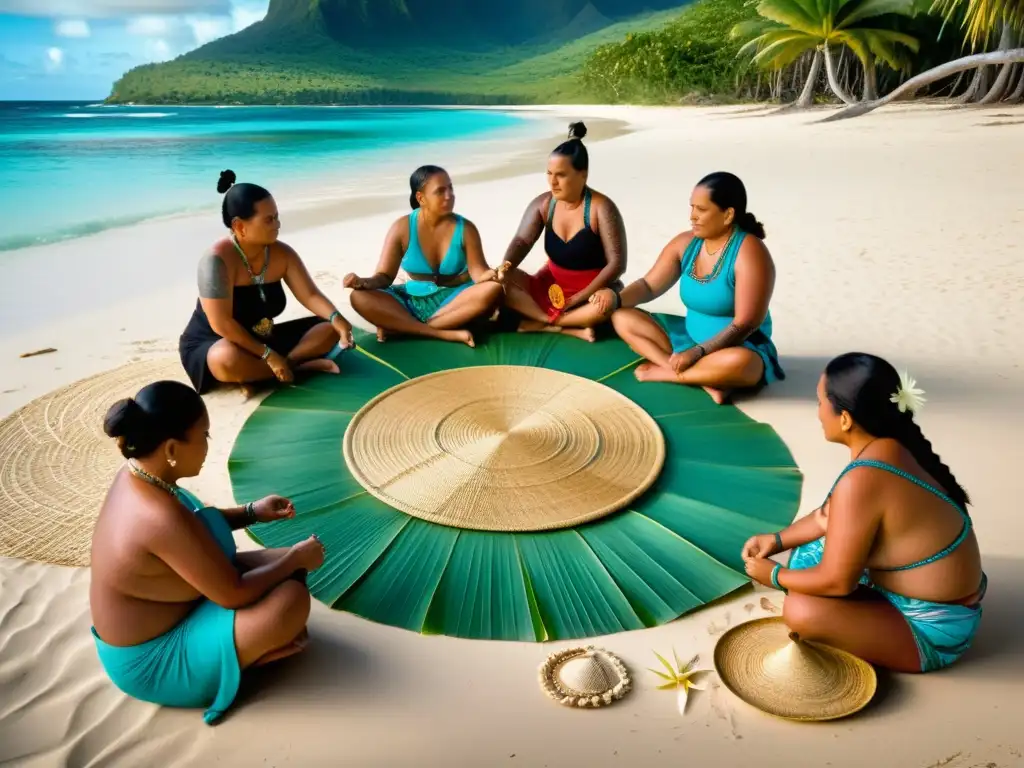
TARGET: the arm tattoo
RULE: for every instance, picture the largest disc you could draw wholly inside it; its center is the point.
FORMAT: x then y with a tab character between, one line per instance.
530	230
733	335
613	235
213	278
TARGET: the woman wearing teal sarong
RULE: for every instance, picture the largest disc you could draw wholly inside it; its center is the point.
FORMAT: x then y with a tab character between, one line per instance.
888	568
449	285
177	612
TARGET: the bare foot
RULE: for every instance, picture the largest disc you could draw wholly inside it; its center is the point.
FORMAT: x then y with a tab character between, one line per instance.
535	326
720	396
463	336
248	390
322	364
298	645
587	334
382	335
651	372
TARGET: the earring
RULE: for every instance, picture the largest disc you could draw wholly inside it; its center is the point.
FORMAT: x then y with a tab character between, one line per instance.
172	462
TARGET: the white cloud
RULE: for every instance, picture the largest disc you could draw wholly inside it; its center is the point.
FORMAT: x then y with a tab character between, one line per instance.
107	8
158	50
150	26
72	28
244	16
207	28
54	59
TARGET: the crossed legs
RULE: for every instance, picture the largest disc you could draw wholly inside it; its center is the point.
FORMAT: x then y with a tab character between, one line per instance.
578	322
231	364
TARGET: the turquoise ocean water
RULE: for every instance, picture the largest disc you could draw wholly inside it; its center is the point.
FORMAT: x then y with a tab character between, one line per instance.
68	169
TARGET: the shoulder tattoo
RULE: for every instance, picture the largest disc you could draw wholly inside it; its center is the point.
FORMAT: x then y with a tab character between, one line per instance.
213	278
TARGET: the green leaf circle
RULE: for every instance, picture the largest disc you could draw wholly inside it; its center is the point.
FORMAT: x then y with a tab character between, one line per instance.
676	548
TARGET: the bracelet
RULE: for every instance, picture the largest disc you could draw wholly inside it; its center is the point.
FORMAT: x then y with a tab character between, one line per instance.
775	579
702	350
266	352
334	314
778	542
250	511
618	299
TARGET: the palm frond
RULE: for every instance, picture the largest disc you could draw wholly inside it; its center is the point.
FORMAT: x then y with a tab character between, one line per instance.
792	14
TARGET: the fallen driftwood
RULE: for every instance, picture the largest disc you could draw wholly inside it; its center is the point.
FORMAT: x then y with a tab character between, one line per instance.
46	351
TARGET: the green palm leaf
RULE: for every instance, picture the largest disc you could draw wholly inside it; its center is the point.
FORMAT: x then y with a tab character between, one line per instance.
675	549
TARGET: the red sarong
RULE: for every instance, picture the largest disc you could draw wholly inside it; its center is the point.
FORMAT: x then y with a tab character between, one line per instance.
553	286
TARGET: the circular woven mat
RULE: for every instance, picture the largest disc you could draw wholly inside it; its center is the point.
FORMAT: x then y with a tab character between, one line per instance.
504	448
761	664
56	464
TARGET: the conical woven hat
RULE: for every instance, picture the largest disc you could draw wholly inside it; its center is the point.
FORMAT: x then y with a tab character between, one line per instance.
770	668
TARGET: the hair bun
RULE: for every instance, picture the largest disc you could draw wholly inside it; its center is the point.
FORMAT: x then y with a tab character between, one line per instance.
577	130
125	420
227	178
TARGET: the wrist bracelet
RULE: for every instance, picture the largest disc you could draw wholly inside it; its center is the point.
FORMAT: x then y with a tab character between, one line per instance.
334	314
266	352
778	542
250	511
775	579
618	299
702	350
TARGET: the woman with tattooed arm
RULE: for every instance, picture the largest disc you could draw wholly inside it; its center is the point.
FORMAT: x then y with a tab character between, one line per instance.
726	277
232	336
585	242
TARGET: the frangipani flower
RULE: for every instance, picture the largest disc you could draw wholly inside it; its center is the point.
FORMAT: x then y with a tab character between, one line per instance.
680	678
908	397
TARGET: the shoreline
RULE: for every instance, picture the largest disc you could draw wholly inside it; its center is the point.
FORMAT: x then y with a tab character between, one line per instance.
867	259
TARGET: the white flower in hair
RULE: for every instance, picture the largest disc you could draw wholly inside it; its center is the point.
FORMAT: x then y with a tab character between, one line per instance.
908	397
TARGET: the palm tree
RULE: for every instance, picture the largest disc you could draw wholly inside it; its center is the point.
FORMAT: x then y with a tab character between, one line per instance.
791	28
982	21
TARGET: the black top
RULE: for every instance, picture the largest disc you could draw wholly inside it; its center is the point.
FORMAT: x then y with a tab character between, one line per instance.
583	251
247	308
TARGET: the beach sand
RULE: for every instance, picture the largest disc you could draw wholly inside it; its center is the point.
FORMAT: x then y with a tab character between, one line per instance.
895	233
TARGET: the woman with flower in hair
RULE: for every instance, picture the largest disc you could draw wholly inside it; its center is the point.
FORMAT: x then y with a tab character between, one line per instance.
888	568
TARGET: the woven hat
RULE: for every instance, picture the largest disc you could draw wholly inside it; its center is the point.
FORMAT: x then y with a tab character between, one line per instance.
584	677
774	670
56	464
504	448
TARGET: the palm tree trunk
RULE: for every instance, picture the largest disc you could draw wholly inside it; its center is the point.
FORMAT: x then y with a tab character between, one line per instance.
1003	78
870	92
933	75
1018	93
976	87
833	81
807	94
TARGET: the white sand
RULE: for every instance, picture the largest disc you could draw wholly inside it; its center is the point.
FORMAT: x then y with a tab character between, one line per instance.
897	233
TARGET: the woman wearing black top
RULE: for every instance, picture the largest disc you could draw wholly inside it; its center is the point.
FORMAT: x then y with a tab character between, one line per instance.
585	242
231	336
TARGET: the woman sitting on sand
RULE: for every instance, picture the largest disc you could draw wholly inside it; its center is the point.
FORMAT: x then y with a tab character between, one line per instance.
232	336
585	242
888	568
726	277
449	282
177	612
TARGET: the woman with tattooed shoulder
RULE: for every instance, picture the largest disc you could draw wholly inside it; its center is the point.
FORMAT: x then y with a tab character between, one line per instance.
232	336
726	277
585	242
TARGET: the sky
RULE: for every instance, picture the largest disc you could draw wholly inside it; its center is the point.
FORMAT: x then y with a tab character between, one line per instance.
75	49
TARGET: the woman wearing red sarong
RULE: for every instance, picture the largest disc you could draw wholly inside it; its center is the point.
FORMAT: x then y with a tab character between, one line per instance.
585	242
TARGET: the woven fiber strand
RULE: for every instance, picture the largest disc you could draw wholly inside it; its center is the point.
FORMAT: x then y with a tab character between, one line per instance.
504	448
56	464
761	663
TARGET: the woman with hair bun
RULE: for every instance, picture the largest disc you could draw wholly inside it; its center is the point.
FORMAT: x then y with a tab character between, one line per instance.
449	284
177	611
726	278
232	337
585	243
888	568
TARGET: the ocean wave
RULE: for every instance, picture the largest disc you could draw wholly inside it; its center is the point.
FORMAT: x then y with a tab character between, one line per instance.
120	114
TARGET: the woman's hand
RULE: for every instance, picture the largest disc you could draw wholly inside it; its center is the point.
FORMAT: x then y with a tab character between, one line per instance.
762	545
760	569
354	282
273	508
681	361
604	300
279	365
343	328
496	275
309	553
